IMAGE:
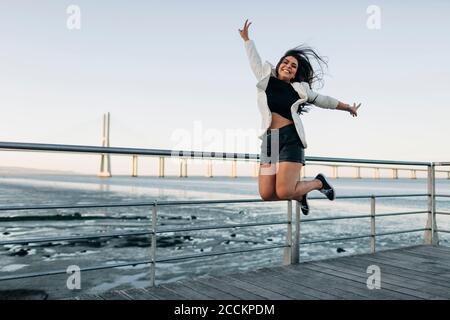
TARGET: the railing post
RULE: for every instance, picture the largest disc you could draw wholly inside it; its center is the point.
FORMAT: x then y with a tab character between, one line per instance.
431	236
153	246
394	173
234	169
256	169
288	250
372	225
135	166
161	167
209	171
377	173
183	168
296	244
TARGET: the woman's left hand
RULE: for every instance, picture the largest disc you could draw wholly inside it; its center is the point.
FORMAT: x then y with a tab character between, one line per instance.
354	109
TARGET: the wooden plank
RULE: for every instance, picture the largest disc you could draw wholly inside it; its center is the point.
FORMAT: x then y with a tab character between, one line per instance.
408	258
162	293
268	294
440	248
212	292
420	263
395	286
430	251
353	285
283	279
387	290
276	285
419	272
226	287
313	283
184	291
411	272
89	297
433	255
114	295
414	283
348	283
349	288
139	294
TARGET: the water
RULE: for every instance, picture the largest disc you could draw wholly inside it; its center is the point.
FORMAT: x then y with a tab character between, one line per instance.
51	189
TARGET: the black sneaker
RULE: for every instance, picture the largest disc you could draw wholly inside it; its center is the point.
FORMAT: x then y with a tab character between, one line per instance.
327	189
304	205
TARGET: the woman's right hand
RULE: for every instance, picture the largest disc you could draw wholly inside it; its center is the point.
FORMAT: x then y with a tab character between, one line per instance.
244	31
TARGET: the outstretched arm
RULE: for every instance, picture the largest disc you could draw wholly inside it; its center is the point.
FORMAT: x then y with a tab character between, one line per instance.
327	102
346	107
253	56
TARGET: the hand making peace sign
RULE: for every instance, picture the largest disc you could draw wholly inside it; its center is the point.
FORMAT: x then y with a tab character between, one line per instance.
244	31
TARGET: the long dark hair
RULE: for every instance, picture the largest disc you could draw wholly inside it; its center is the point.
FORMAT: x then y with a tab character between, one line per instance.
306	72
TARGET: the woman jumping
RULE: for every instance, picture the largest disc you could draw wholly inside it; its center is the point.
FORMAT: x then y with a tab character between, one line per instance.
283	92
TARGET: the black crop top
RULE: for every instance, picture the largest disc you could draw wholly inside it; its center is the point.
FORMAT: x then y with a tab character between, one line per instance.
280	97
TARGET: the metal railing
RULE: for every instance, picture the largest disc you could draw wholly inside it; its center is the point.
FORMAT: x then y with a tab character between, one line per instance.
291	246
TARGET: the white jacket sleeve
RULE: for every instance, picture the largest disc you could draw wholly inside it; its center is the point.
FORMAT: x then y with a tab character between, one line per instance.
254	59
319	100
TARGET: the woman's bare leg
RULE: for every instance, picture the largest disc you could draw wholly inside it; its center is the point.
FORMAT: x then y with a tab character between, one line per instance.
267	182
287	184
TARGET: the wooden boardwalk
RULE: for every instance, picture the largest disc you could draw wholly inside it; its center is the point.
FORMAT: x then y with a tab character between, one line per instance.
420	272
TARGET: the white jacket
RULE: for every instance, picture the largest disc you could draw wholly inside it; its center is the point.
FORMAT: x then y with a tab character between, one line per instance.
263	73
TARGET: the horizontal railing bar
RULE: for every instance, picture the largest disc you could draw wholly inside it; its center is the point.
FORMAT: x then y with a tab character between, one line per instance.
399	232
75	238
77	206
441	163
210	254
230	226
384	196
191	202
179	153
118	265
445	231
443	195
399	213
123	151
200	228
443	213
368	161
110	235
336	218
57	272
170	203
362	216
361	236
375	167
335	239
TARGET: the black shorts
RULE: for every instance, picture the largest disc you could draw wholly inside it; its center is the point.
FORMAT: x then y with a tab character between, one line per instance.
290	147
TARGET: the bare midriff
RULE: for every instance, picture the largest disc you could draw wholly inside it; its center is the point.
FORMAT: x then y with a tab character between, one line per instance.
279	121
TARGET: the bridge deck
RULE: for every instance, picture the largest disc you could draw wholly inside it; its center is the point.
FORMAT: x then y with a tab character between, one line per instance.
420	272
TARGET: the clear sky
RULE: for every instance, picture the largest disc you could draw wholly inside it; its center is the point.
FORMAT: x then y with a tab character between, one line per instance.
174	75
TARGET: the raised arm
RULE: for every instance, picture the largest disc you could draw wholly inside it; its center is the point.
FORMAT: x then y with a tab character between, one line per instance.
253	56
327	102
